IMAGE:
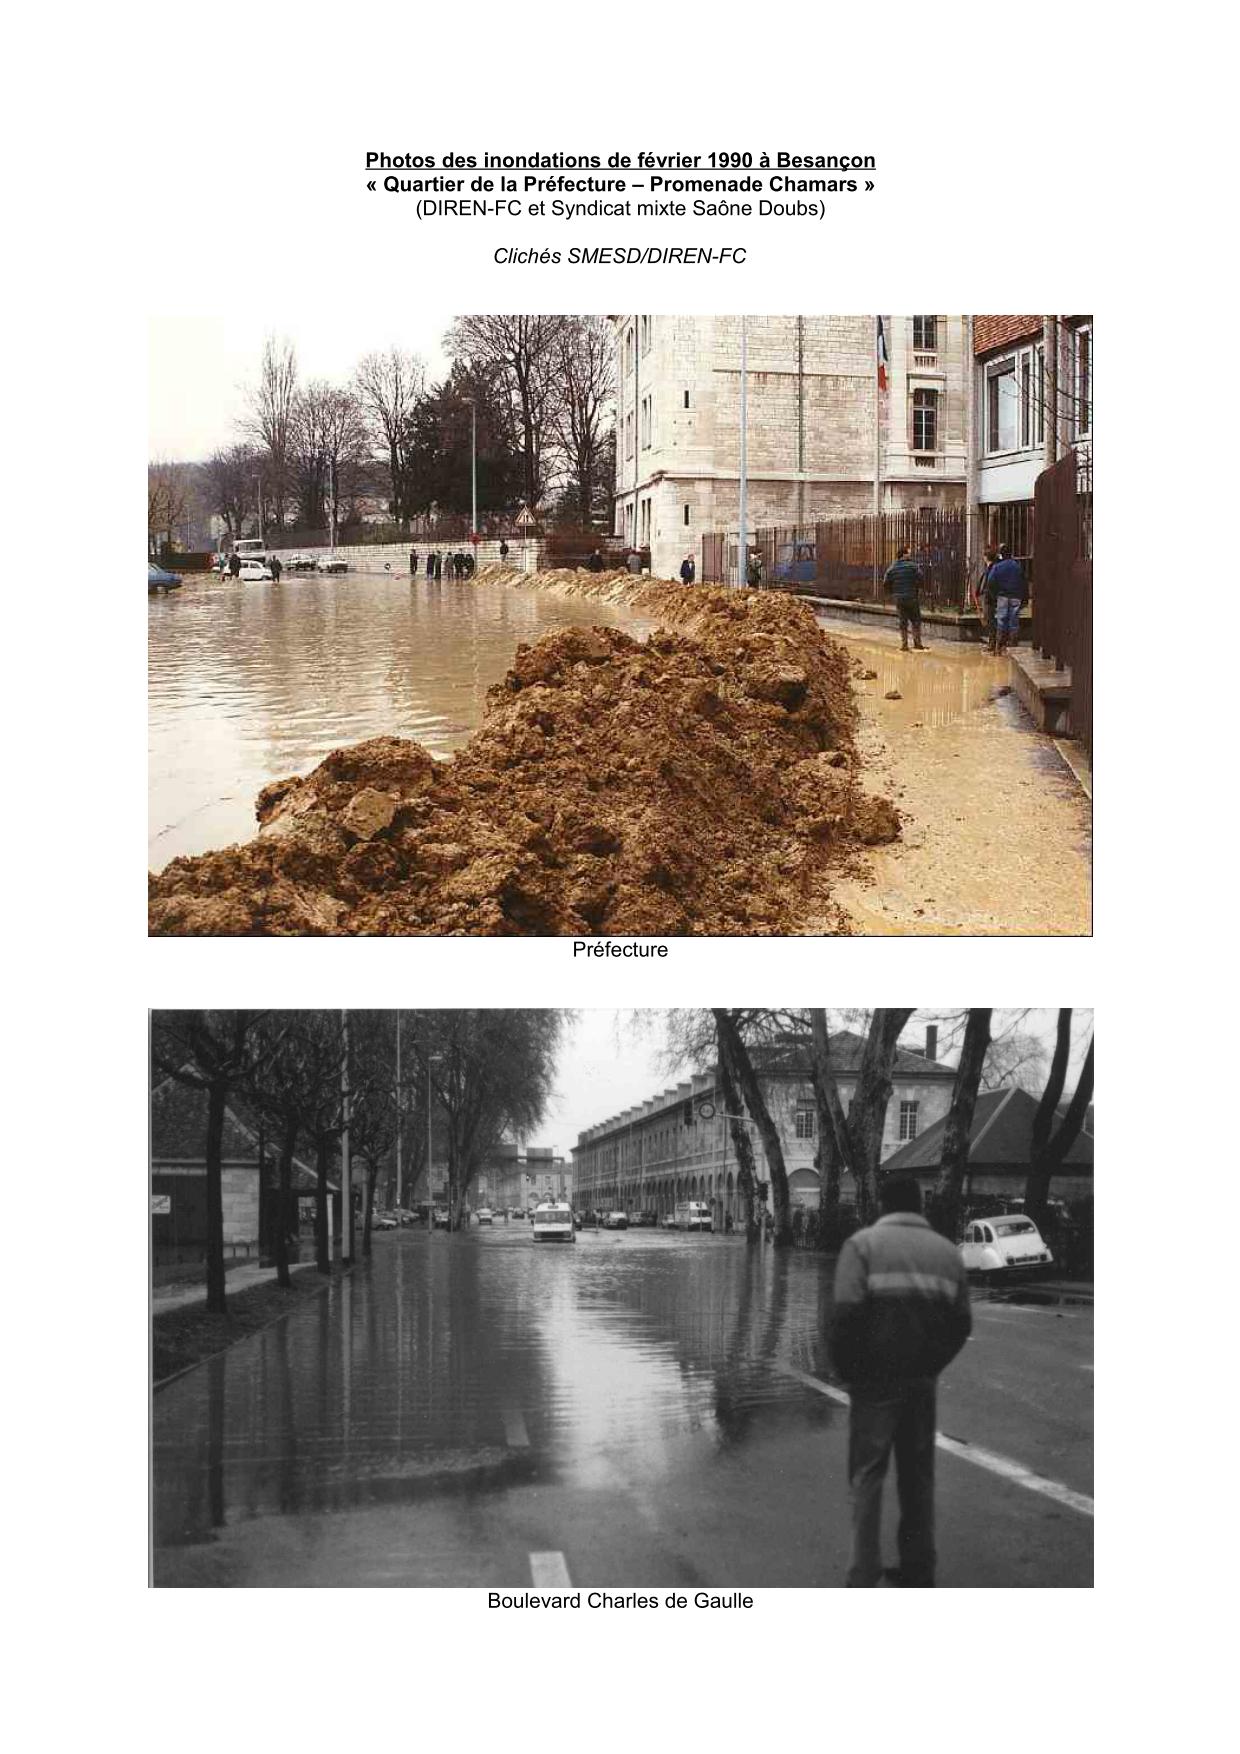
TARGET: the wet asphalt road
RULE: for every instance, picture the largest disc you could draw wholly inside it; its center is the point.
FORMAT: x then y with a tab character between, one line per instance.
634	1409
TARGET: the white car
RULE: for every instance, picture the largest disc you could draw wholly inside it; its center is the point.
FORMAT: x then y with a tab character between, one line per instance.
1003	1244
329	563
254	571
484	1215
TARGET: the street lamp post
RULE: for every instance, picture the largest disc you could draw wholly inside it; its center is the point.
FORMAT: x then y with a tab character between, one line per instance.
430	1109
473	475
742	546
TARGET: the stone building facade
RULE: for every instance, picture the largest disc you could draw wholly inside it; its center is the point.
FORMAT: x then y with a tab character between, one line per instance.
678	1144
818	428
520	1179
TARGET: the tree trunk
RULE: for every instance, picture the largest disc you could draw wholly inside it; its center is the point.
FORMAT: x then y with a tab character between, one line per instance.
217	1093
943	1206
831	1124
868	1110
746	1176
755	1102
372	1170
288	1145
1049	1156
322	1247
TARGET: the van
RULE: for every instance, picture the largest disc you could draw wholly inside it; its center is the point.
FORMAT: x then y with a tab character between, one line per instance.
693	1215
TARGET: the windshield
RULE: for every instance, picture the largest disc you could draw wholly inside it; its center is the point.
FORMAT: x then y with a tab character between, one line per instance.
553	1214
1014	1227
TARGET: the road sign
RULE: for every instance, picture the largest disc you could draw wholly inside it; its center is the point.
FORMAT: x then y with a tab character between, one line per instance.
161	1203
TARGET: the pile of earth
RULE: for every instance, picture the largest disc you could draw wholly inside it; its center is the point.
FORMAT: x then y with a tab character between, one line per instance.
705	781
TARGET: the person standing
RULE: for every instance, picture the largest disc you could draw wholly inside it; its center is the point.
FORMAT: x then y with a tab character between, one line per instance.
688	570
234	565
903	580
753	576
438	567
595	562
503	554
1011	593
900	1315
983	597
413	563
430	567
276	569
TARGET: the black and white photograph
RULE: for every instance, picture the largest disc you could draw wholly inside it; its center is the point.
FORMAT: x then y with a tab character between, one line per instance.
707	1300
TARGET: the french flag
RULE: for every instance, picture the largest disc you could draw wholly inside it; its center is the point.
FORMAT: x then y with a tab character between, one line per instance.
881	352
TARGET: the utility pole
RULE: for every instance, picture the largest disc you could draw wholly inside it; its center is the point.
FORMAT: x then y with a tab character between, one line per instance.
880	384
346	1173
742	542
400	1204
473	474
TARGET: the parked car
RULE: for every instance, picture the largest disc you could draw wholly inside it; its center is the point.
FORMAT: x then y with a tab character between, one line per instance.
796	563
158	578
384	1221
330	563
616	1221
441	1218
254	571
485	1215
1004	1245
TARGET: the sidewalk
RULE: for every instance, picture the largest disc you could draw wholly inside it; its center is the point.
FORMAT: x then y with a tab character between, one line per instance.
239	1278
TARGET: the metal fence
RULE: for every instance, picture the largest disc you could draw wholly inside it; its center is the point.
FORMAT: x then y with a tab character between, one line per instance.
1063	604
447	527
846	558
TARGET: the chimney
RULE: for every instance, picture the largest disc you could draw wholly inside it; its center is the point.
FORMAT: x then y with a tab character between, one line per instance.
932	1041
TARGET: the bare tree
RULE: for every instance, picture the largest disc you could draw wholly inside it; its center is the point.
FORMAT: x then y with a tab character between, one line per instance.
523	353
583	419
211	1051
858	1135
389	387
733	1049
1050	1144
944	1203
273	404
230	478
167	503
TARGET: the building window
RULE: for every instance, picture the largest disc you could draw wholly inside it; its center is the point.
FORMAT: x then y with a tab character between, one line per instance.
1026	400
645	336
686	398
1040	421
908	1120
645	523
805	1120
1001	407
1084	382
925	334
925	420
628	351
647	421
686	515
628	435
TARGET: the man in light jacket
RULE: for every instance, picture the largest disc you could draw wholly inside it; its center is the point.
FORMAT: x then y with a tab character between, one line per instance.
901	1314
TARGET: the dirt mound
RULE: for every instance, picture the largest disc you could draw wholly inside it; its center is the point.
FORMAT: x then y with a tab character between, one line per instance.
703	782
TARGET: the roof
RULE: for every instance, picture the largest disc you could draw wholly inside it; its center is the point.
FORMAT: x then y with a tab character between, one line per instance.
179	1132
1000	1137
846	1050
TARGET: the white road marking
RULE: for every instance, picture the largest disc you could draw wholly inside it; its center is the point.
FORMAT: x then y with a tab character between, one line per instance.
1004	1466
514	1428
549	1570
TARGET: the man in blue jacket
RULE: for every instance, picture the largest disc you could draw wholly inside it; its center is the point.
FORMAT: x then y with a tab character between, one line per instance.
901	1314
1010	591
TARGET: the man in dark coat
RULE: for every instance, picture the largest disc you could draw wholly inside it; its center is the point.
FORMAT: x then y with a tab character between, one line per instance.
688	570
900	1315
903	580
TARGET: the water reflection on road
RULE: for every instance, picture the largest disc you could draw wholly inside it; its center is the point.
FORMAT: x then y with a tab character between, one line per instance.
250	683
475	1364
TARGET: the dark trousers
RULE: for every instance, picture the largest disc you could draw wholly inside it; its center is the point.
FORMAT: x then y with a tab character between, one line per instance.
900	1417
909	611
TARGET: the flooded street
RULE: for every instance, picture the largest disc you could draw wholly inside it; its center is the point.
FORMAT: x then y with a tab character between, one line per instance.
996	834
251	683
638	1407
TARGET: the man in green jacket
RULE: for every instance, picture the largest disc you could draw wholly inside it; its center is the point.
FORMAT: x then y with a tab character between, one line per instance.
903	580
901	1314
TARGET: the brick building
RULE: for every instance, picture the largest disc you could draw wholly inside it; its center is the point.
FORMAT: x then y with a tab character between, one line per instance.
520	1179
1025	415
678	1144
813	407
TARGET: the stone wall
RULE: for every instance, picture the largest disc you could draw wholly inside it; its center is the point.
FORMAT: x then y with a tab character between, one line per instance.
393	557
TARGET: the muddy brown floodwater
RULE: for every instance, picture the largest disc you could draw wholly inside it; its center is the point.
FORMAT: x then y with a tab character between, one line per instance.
996	831
250	683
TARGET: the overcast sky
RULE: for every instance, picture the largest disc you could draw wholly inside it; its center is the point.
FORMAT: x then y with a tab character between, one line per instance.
613	1059
200	367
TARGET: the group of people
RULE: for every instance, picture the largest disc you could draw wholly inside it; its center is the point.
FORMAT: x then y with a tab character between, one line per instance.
999	595
459	566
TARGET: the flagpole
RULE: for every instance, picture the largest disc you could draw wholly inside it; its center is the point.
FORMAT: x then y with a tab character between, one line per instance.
879	368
